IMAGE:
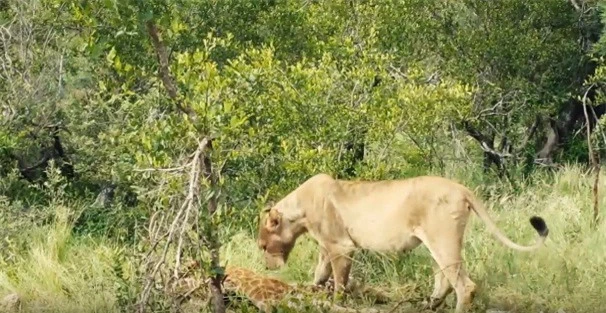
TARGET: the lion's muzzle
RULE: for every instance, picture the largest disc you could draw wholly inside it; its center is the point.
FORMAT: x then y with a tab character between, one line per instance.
274	261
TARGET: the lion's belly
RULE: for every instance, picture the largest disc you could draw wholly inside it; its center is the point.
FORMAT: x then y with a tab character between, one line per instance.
390	245
385	226
383	235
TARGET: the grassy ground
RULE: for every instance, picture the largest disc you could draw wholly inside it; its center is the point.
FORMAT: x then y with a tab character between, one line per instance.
59	273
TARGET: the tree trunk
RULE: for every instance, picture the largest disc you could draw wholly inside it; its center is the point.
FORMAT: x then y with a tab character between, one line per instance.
213	241
354	149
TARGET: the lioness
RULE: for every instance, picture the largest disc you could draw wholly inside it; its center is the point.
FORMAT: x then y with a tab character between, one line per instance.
383	216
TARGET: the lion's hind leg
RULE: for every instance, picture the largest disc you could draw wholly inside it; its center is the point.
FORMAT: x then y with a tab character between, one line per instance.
446	251
441	289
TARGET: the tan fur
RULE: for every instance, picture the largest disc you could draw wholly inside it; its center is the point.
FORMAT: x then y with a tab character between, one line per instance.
382	216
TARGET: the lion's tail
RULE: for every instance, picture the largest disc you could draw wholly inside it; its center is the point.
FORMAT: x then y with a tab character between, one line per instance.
537	223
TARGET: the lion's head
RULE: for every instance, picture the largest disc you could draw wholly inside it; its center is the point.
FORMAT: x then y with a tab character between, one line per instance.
277	236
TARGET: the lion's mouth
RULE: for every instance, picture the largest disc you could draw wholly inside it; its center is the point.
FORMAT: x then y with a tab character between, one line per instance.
274	261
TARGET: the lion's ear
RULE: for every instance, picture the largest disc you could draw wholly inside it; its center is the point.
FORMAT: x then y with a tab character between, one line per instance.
267	206
274	219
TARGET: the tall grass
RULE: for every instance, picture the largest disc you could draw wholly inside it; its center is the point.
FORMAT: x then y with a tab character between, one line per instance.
57	272
60	272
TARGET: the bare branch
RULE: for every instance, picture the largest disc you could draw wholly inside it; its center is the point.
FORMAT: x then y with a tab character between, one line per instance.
484	145
595	161
588	124
170	169
186	217
60	78
178	222
597	119
491	155
164	70
497	109
529	134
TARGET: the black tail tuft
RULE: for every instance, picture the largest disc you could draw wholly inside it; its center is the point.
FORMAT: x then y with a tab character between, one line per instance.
539	225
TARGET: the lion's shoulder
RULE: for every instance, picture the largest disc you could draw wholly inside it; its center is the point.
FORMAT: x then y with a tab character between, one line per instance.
322	177
321	180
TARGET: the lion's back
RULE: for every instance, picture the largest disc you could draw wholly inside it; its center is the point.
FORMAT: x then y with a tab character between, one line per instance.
434	183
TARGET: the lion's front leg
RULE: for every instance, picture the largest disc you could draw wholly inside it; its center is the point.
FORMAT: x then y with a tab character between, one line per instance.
323	268
341	266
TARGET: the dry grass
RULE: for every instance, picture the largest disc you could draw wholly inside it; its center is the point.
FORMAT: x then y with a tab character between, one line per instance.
59	273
